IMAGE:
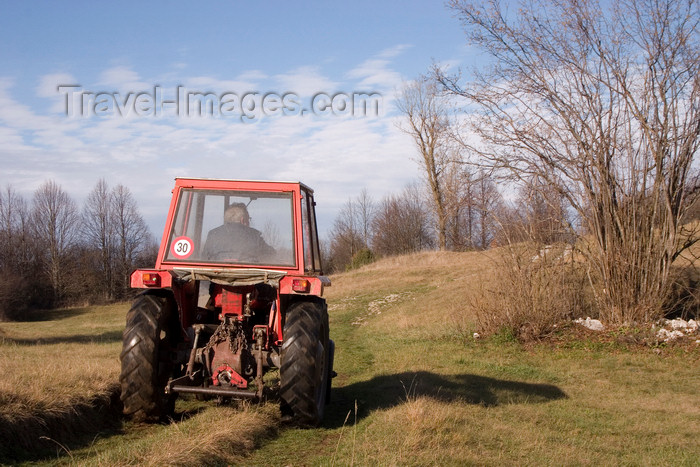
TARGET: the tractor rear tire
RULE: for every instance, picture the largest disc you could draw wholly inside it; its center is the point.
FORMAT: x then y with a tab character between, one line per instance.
305	361
331	373
146	361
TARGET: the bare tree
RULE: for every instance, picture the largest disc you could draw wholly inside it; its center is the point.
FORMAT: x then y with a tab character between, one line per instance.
131	233
51	255
471	199
544	213
346	236
98	231
55	222
537	215
15	229
459	206
18	272
365	211
427	123
601	104
401	224
487	201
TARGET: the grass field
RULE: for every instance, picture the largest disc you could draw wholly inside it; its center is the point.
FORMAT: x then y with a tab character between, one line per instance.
414	388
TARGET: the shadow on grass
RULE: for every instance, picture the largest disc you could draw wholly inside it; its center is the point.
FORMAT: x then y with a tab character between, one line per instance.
48	437
386	391
32	436
104	338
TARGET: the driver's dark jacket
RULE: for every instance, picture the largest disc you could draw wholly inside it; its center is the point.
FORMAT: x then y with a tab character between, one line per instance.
236	243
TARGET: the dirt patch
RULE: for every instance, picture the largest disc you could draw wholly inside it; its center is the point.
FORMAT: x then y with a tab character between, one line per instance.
375	307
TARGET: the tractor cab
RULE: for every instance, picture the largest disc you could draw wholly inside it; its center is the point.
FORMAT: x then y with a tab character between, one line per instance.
203	211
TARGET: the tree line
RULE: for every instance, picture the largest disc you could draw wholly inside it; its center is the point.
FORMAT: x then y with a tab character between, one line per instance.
55	253
475	216
591	113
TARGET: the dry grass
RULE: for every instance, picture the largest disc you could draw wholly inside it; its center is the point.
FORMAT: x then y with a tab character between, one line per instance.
613	408
424	394
433	287
519	290
225	435
416	442
215	436
45	362
52	378
59	376
60	391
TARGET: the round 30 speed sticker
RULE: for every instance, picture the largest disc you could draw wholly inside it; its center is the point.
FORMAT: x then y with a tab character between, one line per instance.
182	247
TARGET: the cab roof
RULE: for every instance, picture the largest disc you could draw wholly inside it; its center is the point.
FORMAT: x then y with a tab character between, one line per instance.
179	180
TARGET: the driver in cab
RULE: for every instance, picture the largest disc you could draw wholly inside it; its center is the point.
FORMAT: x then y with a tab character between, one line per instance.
236	241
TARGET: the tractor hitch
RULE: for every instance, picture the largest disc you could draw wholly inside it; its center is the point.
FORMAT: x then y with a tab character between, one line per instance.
184	385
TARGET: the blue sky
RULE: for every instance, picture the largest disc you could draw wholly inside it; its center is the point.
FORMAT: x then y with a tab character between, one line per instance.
297	49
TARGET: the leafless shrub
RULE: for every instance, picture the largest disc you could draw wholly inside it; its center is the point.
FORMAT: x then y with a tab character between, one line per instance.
531	289
600	103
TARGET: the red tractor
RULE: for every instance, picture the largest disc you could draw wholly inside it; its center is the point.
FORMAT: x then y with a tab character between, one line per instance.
236	290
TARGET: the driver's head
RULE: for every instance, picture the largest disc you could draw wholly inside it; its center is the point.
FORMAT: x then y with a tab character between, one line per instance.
237	213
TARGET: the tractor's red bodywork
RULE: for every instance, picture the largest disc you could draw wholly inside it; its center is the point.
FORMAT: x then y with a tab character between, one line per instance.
238	269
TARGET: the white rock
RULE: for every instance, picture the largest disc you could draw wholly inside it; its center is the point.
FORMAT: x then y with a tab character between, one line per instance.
592	324
678	323
666	335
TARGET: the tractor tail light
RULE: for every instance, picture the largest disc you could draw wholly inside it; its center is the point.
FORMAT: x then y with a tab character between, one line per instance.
151	279
301	285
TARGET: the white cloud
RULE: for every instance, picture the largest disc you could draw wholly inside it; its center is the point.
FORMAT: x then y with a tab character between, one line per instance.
48	84
14	114
394	51
253	75
376	73
11	139
52	132
305	81
206	83
449	65
122	78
